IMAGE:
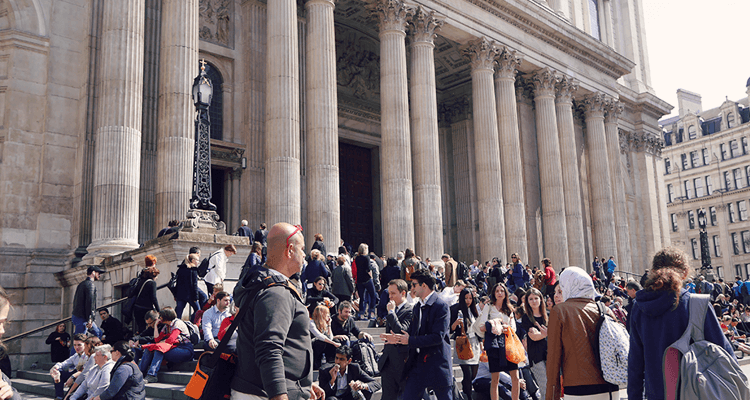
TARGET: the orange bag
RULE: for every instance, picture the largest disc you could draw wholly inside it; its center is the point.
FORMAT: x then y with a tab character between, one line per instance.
514	350
463	346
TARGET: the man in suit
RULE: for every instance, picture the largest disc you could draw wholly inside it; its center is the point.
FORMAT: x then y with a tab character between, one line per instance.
393	360
429	363
244	230
345	380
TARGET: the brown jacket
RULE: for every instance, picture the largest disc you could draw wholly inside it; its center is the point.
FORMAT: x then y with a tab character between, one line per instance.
572	326
450	272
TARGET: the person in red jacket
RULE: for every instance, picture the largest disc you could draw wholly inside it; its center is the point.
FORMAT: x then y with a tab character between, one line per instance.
550	278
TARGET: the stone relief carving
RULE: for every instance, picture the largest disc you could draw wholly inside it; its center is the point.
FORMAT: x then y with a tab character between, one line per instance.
215	21
455	109
358	65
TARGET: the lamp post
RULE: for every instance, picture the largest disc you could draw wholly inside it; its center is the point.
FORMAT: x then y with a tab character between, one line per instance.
705	253
202	94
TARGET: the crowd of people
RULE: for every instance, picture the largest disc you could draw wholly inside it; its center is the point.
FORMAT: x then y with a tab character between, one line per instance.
301	314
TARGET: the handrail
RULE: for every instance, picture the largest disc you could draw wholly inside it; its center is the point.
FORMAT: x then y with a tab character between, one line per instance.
626	272
64	320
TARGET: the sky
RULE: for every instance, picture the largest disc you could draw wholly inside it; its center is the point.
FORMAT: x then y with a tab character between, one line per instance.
700	46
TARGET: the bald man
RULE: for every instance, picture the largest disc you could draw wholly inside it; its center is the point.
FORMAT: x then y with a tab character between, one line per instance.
273	345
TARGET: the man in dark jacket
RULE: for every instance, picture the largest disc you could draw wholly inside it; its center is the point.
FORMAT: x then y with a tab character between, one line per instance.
343	327
84	301
111	326
261	236
342	380
393	360
273	347
244	230
430	354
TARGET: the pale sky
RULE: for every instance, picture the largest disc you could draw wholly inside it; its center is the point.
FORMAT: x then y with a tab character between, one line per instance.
700	46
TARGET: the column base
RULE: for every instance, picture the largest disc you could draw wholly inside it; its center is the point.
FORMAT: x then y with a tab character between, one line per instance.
105	248
203	221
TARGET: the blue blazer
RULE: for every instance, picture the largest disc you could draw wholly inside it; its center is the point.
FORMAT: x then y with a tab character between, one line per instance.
429	332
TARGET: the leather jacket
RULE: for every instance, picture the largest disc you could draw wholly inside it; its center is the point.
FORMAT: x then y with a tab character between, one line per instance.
572	330
84	301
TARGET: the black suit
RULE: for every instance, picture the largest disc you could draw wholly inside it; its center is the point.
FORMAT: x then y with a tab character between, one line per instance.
393	360
353	373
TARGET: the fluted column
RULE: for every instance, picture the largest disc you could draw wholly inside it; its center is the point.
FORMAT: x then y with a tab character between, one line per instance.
324	212
550	169
487	150
428	214
178	66
396	174
605	239
282	141
566	87
613	109
118	134
510	153
236	175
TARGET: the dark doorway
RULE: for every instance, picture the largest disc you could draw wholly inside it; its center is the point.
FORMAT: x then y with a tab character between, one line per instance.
355	185
217	192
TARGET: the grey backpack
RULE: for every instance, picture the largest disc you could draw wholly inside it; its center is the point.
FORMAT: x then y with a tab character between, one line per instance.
704	370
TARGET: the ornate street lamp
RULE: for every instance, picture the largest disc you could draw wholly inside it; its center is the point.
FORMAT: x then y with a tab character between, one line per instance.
202	94
705	251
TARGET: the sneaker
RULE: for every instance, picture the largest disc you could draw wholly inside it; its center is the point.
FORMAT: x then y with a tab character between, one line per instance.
151	379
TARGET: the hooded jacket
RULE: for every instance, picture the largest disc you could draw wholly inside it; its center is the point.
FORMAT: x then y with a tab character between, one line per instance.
655	324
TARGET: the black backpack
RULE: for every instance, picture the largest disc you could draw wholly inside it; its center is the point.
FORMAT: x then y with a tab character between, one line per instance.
203	266
363	353
463	271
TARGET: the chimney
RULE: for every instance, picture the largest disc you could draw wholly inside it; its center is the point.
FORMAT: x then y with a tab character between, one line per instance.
688	102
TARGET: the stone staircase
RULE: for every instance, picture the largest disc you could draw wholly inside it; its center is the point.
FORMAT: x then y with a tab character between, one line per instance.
37	384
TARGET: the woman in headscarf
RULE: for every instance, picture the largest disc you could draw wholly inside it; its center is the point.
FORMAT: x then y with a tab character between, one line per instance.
571	333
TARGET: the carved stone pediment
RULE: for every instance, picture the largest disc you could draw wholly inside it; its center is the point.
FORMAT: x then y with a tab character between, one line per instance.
216	24
357	65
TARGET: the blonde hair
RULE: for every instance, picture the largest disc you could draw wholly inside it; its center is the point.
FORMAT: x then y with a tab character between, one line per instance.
315	254
319	317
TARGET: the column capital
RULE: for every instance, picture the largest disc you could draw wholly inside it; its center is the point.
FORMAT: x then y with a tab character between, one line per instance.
613	108
425	23
482	54
330	3
593	105
544	82
392	14
507	63
565	89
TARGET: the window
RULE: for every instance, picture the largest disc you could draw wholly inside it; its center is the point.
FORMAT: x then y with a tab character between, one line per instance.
673	217
215	112
712	215
720	272
747	175
737	172
694	159
706	158
698	182
730	120
670	192
746	241
744	145
594	18
731	212
734	148
678	136
747	271
742	207
717	247
709	188
738	270
667	166
688	190
684	161
692	133
667	138
736	243
723	149
696	248
727	181
691	219
711	126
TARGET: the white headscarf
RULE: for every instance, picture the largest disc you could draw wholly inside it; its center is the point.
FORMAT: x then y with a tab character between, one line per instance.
576	283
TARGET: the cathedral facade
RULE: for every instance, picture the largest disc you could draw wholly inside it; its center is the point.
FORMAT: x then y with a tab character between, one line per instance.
478	128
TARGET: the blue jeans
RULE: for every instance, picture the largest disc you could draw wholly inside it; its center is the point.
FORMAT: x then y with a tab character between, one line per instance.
79	326
367	296
415	389
181	307
59	389
151	360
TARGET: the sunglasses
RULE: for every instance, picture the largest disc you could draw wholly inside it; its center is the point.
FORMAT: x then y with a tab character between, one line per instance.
298	229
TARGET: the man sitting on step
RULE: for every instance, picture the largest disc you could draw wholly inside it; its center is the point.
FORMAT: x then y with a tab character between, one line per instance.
61	371
345	380
343	327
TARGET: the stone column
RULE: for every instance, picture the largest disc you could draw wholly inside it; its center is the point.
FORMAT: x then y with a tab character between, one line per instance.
428	214
613	109
487	150
396	175
510	153
550	169
282	141
566	87
324	212
117	155
178	66
236	175
605	239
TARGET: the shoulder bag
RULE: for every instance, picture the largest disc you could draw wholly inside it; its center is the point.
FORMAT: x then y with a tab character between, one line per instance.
463	345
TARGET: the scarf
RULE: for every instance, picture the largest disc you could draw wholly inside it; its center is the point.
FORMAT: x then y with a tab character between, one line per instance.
576	283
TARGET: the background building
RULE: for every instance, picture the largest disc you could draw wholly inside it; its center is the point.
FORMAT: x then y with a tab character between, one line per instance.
707	166
474	127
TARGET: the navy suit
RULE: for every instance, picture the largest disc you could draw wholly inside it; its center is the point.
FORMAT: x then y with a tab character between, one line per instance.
430	356
393	360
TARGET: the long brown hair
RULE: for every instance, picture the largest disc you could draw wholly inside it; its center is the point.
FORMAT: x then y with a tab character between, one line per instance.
668	269
506	308
542	305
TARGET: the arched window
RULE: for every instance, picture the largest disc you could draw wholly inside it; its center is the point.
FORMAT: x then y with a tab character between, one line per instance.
692	133
594	18
730	120
215	112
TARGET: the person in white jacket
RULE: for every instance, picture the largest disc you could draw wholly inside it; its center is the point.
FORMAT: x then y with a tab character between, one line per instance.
97	381
217	266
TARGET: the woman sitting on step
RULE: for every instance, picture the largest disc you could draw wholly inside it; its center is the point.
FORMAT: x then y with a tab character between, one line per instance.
173	345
